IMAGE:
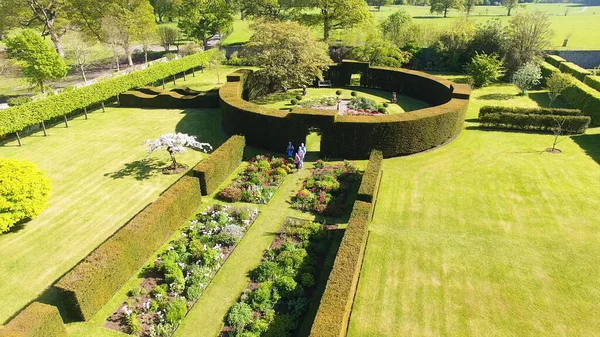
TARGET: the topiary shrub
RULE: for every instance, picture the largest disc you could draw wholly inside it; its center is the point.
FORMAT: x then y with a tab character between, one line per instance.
294	102
385	105
353	94
338	92
24	192
298	97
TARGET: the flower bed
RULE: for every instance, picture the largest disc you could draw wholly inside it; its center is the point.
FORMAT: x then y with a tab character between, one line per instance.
259	181
276	300
359	106
326	190
180	274
319	103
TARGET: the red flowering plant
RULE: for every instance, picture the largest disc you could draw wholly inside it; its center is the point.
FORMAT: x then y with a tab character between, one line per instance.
326	190
259	181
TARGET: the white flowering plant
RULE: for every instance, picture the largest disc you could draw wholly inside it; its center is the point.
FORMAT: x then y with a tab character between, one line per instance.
176	143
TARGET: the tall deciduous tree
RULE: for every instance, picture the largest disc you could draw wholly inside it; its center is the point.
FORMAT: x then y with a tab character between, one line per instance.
338	14
78	49
168	9
470	5
442	6
400	28
510	4
38	61
529	34
201	19
289	57
379	3
167	36
556	83
49	16
267	9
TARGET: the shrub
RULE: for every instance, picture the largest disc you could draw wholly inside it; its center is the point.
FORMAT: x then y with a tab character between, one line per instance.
555	60
20	100
484	69
557	83
240	315
338	92
174	99
298	97
353	94
24	192
294	102
286	286
586	99
575	70
385	105
488	109
37	320
90	284
371	178
527	76
307	280
213	170
593	82
176	311
572	124
266	271
135	326
231	194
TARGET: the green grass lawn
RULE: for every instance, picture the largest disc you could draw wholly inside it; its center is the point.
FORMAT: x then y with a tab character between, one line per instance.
204	80
486	236
281	101
99	181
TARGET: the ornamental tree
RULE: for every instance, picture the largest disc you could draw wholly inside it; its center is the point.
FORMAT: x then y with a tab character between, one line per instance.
442	6
556	83
24	192
484	69
176	143
337	14
527	76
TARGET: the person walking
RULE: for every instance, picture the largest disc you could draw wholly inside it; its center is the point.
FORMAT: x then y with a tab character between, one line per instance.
302	149
297	160
290	150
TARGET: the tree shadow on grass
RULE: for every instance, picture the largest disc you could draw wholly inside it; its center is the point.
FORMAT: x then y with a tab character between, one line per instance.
139	169
542	99
590	144
205	124
496	97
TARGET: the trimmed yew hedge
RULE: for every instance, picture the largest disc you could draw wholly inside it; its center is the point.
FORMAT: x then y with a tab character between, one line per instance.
489	109
90	284
170	100
353	137
575	70
336	302
37	320
213	170
19	117
572	124
593	82
369	185
555	60
585	98
547	71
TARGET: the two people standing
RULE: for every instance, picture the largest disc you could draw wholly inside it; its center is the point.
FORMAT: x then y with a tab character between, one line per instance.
299	158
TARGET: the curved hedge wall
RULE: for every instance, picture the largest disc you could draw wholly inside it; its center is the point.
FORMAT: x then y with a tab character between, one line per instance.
353	137
169	99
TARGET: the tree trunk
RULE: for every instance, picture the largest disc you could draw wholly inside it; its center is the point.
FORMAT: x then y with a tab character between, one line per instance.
44	128
85	113
66	121
19	139
509	8
83	73
57	44
445	12
173	158
205	40
129	59
103	108
326	29
379	8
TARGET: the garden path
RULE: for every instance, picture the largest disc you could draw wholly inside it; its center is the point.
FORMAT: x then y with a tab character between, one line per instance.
206	318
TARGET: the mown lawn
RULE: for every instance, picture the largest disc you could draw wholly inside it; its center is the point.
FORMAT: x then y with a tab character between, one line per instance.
99	181
487	236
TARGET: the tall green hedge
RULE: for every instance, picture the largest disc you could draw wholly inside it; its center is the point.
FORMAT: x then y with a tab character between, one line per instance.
555	60
90	284
336	303
169	100
547	71
575	70
37	320
213	170
593	82
570	124
369	185
489	109
585	98
353	137
19	117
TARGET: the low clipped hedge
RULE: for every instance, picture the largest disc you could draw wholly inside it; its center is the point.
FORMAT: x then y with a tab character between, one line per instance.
336	303
572	124
575	70
170	100
555	60
369	186
19	117
90	284
593	82
213	170
489	109
547	70
37	320
585	98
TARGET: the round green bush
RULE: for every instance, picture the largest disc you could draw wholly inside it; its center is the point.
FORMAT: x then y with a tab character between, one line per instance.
176	311
354	94
24	192
294	102
382	110
240	315
298	97
385	105
338	92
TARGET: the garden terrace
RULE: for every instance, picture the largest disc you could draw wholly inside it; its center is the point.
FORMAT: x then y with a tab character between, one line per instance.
353	137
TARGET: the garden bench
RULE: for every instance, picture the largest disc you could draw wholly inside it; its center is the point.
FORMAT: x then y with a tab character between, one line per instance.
323	84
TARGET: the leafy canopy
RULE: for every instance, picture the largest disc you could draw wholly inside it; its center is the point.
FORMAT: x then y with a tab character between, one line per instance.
484	69
24	192
556	83
527	76
400	29
442	6
201	19
337	14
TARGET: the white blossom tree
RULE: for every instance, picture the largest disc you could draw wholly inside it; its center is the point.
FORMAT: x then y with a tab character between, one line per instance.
176	143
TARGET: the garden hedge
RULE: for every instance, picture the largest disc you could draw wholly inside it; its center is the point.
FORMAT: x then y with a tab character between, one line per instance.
336	303
169	100
90	284
593	82
575	70
353	137
371	178
555	60
547	71
572	124
17	118
213	170
489	109
585	98
37	320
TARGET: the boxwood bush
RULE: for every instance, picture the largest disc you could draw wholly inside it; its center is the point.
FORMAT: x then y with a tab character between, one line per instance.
585	98
170	100
575	70
547	70
371	178
555	60
90	284
572	124
489	109
593	82
37	320
213	170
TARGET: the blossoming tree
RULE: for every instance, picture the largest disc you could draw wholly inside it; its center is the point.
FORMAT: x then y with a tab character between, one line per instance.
176	143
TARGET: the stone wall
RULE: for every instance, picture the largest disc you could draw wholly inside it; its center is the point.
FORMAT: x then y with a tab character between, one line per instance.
587	59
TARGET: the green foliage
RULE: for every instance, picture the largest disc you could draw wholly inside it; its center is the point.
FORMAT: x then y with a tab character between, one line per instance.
176	311
586	99
293	102
337	14
593	82
213	170
135	326
267	9
442	6
484	69
20	100
369	187
289	57
380	53
556	83
37	320
24	192
527	77
488	109
379	3
336	303
575	70
547	70
168	36
17	118
240	316
201	19
400	29
555	60
529	35
174	99
490	38
88	286
568	124
38	62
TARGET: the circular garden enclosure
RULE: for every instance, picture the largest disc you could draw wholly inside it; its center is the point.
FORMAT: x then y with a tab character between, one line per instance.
347	136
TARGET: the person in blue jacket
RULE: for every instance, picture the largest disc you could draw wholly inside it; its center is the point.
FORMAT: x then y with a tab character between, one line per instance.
290	150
